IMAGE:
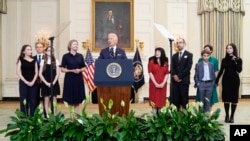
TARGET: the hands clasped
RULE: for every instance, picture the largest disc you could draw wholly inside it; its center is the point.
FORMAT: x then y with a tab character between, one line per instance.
76	71
176	78
161	85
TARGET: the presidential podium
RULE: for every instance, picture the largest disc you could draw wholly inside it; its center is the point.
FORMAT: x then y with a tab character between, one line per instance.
114	78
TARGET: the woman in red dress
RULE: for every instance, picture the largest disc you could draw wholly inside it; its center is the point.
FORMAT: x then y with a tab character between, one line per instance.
158	74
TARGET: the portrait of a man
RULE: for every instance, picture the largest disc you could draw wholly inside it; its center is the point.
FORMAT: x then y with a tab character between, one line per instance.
112	17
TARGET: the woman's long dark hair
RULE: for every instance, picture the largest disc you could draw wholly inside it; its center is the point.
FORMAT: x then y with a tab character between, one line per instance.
235	52
163	58
21	55
53	60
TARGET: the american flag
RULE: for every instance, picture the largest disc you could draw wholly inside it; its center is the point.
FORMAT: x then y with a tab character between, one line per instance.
88	73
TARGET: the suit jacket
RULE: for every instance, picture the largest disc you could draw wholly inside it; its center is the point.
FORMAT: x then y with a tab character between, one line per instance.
199	72
182	68
119	54
35	58
38	66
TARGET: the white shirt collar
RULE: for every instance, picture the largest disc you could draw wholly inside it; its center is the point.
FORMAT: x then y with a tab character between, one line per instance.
39	55
182	51
114	48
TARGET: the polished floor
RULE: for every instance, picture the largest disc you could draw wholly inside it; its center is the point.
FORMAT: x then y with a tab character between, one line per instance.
242	115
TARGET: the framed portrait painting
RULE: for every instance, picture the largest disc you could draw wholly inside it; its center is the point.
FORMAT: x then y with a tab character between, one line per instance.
113	16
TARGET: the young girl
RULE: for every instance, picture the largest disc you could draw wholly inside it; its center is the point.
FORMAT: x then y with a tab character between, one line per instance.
27	71
230	68
45	76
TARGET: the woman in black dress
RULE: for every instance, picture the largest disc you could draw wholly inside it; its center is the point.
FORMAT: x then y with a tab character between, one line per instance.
27	72
73	65
45	76
230	68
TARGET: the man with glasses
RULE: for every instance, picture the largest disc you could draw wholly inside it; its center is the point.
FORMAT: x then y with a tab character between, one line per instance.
181	65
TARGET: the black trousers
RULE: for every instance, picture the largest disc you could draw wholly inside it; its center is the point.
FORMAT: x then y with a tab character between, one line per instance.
30	95
180	95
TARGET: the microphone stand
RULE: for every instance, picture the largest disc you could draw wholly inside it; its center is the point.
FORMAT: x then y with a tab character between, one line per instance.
51	74
171	72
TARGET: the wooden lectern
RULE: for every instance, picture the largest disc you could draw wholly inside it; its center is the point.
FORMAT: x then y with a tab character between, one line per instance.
114	78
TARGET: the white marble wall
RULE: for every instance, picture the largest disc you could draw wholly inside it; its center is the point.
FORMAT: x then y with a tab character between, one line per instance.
26	18
245	81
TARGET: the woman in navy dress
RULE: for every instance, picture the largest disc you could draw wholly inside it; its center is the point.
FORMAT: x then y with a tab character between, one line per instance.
45	76
73	65
27	72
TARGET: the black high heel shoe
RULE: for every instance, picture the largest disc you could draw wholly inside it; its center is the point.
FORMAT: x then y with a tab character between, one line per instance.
231	120
227	119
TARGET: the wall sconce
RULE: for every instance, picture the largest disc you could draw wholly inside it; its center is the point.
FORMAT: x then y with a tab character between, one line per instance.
42	37
140	45
85	46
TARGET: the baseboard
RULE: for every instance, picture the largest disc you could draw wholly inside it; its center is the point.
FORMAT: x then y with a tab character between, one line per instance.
245	96
18	99
144	98
147	98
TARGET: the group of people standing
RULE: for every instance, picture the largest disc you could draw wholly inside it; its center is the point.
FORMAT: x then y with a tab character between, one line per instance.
35	76
206	78
36	79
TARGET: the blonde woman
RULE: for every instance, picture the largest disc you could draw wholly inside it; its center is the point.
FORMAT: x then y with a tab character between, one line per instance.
73	65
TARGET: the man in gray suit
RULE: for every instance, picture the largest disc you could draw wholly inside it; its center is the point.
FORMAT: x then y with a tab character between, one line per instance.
204	79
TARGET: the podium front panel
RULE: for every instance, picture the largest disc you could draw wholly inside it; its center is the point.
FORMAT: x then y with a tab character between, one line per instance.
113	72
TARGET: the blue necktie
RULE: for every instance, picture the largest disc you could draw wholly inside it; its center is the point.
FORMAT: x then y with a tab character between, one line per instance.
39	59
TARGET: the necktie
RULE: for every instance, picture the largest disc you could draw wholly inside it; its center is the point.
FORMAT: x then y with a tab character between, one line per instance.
111	51
39	59
179	56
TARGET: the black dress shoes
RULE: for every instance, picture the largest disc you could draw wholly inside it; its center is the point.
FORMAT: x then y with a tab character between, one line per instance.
227	119
231	120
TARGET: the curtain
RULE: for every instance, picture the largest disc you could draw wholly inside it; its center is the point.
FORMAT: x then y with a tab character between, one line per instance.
3	6
221	24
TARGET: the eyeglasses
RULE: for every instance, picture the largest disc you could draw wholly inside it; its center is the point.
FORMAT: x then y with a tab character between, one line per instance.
179	42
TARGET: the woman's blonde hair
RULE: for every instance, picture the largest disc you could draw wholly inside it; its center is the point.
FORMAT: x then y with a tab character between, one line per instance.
70	43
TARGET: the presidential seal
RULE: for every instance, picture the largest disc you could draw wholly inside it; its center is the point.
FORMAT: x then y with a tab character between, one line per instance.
138	71
114	70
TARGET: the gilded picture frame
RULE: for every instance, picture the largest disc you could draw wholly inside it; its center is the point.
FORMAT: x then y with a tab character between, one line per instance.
113	16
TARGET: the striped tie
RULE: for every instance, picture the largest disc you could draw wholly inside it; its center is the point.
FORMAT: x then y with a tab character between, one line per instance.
179	56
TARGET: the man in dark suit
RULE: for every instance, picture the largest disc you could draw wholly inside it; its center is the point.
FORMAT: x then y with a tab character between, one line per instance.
109	23
181	65
40	47
112	51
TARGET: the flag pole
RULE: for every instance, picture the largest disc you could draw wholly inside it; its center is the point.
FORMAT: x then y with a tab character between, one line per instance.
171	72
51	75
85	68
